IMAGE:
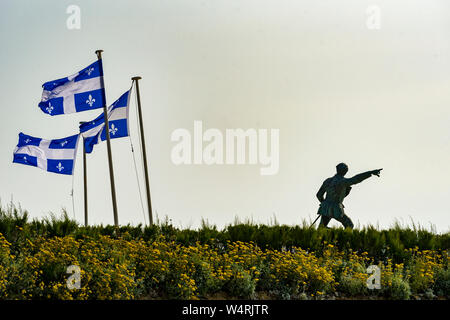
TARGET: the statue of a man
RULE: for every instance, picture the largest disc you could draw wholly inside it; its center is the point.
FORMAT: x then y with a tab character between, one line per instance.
336	189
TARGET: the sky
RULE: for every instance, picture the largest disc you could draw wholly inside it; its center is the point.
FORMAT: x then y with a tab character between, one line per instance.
337	88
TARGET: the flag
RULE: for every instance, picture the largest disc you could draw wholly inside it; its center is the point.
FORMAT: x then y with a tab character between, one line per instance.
94	131
56	156
79	92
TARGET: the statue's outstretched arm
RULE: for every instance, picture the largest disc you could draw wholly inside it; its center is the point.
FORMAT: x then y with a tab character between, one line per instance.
362	176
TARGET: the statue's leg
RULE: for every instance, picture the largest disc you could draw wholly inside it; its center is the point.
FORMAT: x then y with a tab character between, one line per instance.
324	221
346	221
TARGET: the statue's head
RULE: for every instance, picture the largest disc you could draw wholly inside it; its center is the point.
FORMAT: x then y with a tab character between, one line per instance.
341	169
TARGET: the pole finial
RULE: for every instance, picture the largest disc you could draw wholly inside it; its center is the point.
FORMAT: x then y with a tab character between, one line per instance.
136	78
99	53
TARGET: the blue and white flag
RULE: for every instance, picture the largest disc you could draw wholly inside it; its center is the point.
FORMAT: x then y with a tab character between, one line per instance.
50	155
79	92
94	131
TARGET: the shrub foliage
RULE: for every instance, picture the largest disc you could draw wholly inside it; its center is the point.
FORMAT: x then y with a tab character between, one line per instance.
243	260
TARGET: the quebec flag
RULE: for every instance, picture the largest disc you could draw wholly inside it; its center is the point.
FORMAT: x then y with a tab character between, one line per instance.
56	156
79	92
94	131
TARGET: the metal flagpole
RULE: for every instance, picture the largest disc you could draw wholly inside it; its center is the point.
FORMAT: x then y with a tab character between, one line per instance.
85	184
144	152
108	144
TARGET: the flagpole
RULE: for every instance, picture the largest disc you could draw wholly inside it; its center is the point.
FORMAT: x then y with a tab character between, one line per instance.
85	184
108	144
144	152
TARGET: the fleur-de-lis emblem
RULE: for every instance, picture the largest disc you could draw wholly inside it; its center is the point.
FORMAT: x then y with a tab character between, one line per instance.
60	167
89	71
90	101
113	129
27	140
63	143
49	108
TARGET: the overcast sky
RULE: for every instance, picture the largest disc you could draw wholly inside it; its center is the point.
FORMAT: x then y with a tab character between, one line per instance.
337	91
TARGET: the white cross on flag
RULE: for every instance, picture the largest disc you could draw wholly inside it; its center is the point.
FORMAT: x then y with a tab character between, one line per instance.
81	91
94	131
56	155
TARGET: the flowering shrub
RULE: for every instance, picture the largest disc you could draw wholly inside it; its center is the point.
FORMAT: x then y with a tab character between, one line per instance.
4	262
127	268
424	265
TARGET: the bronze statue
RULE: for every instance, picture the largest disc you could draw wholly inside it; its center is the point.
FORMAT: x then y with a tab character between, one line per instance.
336	189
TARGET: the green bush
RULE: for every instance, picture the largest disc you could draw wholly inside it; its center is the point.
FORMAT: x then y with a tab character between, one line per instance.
380	244
352	286
242	285
398	245
442	283
399	290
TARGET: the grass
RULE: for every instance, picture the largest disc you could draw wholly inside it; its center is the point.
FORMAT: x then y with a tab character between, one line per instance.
391	243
